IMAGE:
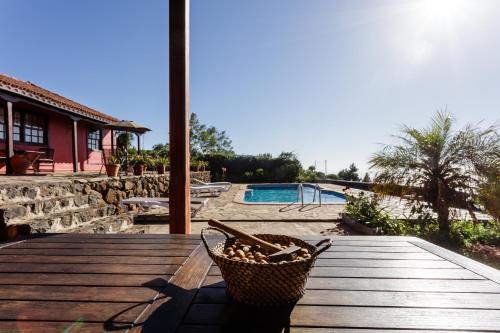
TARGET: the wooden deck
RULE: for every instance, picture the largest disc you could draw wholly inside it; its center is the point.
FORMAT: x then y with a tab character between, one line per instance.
166	283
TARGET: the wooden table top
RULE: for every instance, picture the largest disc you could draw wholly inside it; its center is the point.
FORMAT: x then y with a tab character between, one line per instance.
166	283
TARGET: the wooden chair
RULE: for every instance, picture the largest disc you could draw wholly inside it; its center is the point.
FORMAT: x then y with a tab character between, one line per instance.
105	155
47	160
3	157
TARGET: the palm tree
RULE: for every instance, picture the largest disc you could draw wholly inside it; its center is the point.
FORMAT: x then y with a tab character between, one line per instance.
437	165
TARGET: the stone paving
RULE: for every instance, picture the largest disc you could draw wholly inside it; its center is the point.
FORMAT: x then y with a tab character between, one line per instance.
225	209
286	219
261	227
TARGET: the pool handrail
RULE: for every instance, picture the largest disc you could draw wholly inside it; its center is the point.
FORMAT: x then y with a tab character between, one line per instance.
300	192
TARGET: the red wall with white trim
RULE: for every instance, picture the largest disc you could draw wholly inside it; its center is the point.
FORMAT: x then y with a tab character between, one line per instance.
60	139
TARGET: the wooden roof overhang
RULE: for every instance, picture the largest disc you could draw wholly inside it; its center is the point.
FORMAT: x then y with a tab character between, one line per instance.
49	100
7	96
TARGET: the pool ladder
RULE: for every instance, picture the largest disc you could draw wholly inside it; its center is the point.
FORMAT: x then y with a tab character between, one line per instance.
317	188
300	193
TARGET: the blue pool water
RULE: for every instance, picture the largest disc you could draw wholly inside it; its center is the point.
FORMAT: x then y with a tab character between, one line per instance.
288	193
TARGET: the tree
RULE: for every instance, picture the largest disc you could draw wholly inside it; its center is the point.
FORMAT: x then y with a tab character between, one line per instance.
350	173
207	139
124	141
489	193
366	178
161	149
437	165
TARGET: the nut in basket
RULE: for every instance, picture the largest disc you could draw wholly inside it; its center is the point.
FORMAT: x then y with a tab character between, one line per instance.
252	279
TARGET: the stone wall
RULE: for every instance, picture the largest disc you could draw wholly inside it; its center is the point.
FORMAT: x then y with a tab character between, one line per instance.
352	184
74	203
114	189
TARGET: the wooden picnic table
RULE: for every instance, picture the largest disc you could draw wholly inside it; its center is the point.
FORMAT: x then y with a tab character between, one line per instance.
166	283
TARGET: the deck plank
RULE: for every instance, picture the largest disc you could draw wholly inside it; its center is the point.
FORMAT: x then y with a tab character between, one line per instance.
379	255
187	328
61	279
77	326
354	317
81	259
51	311
374	243
416	285
113	246
380	249
97	252
376	298
379	272
88	268
398	263
134	240
80	293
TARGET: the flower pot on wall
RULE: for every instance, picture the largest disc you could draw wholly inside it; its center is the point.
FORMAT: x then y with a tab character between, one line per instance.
360	227
160	169
139	170
20	164
112	170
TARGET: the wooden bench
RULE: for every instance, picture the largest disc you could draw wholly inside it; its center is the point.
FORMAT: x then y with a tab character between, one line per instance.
45	160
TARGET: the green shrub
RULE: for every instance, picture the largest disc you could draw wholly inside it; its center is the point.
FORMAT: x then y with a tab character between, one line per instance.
366	210
466	233
284	168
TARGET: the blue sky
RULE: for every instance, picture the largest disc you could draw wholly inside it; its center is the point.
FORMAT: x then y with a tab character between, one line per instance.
329	80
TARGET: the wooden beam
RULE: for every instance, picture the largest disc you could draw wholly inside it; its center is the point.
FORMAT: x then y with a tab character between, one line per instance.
75	145
138	143
9	143
180	215
112	133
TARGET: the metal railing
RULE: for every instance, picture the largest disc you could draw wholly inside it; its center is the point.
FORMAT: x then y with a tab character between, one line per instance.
318	189
300	192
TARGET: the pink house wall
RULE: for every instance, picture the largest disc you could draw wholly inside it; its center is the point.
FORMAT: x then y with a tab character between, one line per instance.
60	139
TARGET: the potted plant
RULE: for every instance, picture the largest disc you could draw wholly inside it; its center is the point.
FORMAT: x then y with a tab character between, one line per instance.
162	164
113	166
194	165
202	165
20	164
139	163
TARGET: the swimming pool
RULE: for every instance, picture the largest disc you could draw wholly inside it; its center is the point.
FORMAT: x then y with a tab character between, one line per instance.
289	193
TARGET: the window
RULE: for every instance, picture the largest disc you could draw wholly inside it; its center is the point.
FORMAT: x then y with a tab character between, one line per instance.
2	124
17	126
94	139
34	128
29	127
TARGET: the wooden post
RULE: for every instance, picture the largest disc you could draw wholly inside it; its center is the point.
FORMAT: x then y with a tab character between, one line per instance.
9	137
138	143
75	145
112	133
179	207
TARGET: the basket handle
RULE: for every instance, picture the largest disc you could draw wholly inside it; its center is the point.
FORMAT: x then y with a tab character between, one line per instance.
203	238
322	246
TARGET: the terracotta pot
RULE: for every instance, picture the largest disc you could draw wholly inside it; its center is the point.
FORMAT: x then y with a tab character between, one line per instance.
112	170
139	170
19	164
160	169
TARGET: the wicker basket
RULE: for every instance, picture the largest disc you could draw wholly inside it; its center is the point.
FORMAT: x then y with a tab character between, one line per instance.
265	284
